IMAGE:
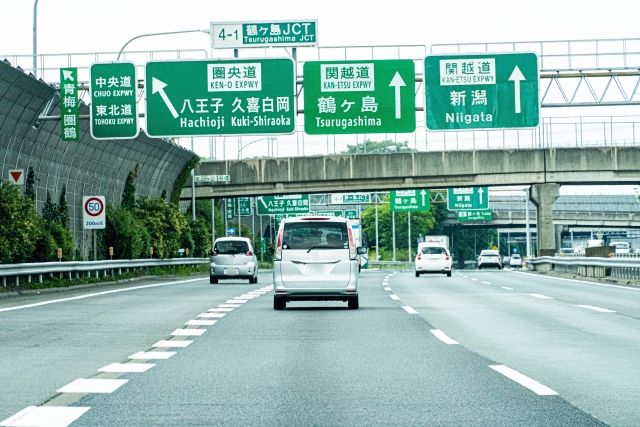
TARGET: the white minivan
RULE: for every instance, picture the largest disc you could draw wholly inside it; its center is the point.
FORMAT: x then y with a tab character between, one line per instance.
315	259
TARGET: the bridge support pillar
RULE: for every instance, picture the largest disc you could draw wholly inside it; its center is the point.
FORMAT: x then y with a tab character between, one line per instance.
543	196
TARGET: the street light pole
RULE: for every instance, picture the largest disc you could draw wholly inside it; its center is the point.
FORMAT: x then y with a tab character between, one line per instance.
35	38
158	34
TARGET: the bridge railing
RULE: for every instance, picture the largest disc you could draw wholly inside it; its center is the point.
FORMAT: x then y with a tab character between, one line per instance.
76	269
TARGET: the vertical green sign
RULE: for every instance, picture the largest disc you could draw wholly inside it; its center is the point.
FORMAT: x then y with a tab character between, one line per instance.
467	198
69	119
479	215
114	92
410	200
351	214
349	97
483	91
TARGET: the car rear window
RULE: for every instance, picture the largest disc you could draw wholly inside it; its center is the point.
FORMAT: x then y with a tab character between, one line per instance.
317	235
230	247
434	250
489	253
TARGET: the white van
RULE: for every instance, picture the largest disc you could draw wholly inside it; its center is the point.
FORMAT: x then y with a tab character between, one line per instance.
315	259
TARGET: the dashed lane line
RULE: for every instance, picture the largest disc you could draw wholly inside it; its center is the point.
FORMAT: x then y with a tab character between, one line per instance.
443	337
395	297
127	367
172	343
45	416
148	355
409	309
485	283
539	296
92	385
600	309
524	380
504	287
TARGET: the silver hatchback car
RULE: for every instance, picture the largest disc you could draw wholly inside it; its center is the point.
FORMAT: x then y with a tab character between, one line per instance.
233	258
315	259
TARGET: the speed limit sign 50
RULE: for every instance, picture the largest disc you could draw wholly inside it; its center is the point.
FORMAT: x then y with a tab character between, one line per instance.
93	209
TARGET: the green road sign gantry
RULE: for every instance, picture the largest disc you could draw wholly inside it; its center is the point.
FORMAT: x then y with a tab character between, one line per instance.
69	118
351	214
289	204
350	198
350	97
410	200
264	33
220	97
482	91
467	198
114	94
330	213
479	215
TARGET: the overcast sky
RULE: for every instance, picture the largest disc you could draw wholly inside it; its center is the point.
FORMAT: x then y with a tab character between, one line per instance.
66	26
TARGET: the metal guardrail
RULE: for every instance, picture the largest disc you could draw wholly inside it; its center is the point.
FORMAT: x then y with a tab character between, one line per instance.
74	269
619	267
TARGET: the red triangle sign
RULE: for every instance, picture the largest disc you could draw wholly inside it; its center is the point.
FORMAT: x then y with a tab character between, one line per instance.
15	175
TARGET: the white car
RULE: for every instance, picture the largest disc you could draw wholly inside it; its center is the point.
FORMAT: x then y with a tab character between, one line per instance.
515	261
489	258
433	258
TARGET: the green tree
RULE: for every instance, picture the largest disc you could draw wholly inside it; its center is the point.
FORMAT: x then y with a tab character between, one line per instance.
467	243
30	186
125	233
50	210
63	208
165	224
19	225
386	146
129	192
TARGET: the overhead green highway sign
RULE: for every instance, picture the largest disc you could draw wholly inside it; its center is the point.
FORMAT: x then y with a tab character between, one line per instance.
69	118
350	97
482	91
220	97
410	200
114	96
264	33
479	215
289	204
467	198
330	213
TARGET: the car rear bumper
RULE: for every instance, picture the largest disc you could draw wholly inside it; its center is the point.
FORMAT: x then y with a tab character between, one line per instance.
243	271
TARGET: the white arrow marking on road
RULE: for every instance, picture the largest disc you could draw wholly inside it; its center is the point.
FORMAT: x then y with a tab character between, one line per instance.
517	77
397	82
67	74
423	193
480	191
158	86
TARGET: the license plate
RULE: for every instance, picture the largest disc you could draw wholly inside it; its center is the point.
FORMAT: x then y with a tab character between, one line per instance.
231	271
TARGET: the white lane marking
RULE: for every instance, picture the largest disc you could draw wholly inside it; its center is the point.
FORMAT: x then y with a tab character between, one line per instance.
601	310
504	287
582	281
211	315
387	288
148	355
188	332
474	279
236	301
485	283
201	322
409	309
172	343
45	416
38	304
524	380
539	296
127	367
92	385
466	277
395	297
443	337
229	305
220	310
245	296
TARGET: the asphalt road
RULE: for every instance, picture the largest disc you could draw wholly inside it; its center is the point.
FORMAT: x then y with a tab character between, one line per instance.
318	363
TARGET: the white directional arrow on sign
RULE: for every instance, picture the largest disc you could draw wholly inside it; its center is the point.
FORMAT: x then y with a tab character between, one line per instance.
397	82
517	77
68	74
480	191
158	86
423	194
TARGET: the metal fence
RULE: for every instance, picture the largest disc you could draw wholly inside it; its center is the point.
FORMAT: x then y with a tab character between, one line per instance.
617	267
76	269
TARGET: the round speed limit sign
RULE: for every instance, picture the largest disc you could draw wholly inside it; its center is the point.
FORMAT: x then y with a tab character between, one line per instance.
93	212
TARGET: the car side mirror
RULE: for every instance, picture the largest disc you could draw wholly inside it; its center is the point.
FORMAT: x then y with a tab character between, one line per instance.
362	250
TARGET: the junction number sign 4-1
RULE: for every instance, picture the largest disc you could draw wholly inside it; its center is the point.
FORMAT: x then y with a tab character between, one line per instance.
220	97
482	91
350	97
264	33
94	215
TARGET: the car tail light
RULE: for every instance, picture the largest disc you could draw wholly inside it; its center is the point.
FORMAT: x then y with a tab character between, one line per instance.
278	252
214	253
419	256
447	257
249	253
352	245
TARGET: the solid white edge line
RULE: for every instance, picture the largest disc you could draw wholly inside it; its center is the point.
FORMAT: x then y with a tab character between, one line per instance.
409	309
485	283
581	281
504	287
594	308
524	380
113	291
443	337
